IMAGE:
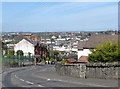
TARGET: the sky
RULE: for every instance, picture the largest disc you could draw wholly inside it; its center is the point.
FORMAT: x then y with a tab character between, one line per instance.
59	16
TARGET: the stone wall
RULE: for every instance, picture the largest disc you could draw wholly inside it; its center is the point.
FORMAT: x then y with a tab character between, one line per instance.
71	70
89	70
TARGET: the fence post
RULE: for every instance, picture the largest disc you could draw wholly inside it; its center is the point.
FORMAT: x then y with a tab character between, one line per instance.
19	60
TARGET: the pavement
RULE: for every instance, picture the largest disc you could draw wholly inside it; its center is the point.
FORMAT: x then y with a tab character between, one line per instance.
46	76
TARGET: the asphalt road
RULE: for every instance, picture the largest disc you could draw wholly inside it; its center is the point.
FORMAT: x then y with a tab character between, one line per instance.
46	76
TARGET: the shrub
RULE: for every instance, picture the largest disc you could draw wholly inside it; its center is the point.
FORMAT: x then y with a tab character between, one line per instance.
20	53
106	52
9	52
63	62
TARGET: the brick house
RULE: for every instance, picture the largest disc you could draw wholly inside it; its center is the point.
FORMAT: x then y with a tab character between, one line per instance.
40	52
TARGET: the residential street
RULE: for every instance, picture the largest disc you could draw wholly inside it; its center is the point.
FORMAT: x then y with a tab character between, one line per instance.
45	76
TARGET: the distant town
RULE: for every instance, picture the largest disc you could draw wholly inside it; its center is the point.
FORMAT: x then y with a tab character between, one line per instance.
60	41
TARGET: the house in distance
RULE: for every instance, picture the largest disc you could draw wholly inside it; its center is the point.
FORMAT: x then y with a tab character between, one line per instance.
85	47
31	45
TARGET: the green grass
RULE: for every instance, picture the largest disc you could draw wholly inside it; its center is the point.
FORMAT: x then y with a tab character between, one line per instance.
0	59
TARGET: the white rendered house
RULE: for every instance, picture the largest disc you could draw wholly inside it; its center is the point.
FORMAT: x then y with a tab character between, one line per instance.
84	52
26	45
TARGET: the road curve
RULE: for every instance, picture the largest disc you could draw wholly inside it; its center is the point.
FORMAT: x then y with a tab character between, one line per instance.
45	76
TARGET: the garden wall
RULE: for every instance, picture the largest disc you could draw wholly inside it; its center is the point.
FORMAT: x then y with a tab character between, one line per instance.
90	70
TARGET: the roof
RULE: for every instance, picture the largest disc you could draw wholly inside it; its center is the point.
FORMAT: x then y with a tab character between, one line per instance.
61	42
83	59
81	44
31	41
53	37
95	40
71	60
19	38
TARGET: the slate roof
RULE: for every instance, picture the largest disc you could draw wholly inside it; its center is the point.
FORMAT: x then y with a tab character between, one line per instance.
81	44
95	40
61	42
31	41
19	38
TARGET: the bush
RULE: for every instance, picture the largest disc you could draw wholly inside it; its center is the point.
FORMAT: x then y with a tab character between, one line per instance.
63	62
9	52
106	52
20	53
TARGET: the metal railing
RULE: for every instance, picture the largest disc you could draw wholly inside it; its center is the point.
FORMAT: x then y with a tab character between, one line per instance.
17	60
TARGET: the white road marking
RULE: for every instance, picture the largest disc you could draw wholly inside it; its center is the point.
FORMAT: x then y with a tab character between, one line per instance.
16	76
29	82
26	86
90	84
48	79
4	72
19	78
40	86
58	80
22	80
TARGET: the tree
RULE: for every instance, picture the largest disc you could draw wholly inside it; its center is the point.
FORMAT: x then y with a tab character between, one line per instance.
106	52
3	45
72	55
20	53
9	52
56	53
29	54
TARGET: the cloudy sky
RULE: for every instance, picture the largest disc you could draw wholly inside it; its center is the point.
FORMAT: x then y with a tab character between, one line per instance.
59	16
